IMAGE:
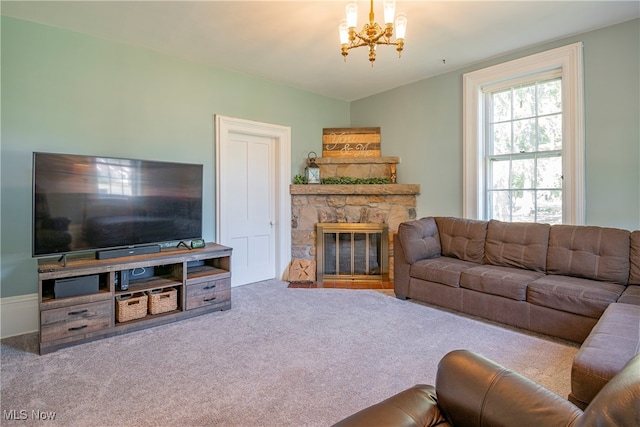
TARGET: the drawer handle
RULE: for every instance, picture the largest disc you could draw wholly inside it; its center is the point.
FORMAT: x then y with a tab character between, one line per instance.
78	328
210	287
75	313
209	299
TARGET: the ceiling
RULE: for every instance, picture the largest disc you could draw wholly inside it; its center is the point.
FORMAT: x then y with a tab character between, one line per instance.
296	43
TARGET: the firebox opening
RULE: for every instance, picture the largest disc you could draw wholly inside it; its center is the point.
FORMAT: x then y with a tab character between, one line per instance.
352	251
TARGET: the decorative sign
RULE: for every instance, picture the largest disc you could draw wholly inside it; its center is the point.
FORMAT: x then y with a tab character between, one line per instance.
351	142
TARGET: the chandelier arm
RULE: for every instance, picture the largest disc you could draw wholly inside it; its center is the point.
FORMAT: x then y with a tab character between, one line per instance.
359	43
387	42
365	39
363	42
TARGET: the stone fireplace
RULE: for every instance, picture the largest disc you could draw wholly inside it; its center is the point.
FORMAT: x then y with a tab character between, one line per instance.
388	204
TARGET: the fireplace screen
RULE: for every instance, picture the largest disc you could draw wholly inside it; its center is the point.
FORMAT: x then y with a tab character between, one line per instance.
347	251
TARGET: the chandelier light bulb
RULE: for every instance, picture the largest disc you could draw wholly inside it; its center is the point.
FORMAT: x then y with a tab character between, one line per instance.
401	26
352	14
343	28
389	11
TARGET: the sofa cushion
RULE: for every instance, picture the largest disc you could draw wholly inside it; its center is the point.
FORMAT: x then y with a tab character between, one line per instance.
611	344
573	295
443	270
634	258
419	239
590	252
517	244
631	295
506	282
462	238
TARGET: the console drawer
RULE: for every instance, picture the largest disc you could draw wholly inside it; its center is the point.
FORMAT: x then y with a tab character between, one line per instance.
75	320
208	293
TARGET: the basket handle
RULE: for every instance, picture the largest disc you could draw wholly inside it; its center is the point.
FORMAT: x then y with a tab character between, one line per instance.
133	302
164	296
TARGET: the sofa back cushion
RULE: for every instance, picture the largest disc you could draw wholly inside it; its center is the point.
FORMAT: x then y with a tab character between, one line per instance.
462	238
517	244
634	258
419	239
596	253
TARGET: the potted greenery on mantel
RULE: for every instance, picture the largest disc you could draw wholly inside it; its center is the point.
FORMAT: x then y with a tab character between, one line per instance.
345	180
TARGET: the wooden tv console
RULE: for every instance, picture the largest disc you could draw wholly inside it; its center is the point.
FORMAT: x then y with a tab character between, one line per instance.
199	279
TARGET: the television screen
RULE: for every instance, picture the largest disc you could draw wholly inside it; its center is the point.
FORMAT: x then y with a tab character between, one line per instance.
83	203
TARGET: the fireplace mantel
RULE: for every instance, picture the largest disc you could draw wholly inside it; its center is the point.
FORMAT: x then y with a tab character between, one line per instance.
355	189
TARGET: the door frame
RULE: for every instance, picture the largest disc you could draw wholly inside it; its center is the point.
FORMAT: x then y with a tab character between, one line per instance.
281	135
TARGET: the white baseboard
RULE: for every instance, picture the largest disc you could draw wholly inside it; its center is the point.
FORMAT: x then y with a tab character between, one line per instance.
18	315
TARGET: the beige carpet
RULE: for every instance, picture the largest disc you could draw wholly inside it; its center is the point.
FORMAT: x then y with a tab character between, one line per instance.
279	357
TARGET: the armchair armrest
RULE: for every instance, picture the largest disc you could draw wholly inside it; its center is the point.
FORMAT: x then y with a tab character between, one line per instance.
413	407
474	391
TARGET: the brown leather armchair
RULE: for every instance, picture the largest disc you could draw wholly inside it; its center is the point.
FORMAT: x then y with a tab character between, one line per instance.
474	391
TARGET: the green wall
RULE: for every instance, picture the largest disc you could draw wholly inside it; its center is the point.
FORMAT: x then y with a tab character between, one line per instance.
67	92
422	124
71	93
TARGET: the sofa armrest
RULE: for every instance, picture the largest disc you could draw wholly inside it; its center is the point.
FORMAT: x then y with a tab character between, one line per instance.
416	406
400	270
473	390
419	239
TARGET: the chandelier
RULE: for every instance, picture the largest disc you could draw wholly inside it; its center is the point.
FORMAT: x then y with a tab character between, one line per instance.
372	34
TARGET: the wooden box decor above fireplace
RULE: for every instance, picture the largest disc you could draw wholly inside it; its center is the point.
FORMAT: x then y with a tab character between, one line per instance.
352	251
351	142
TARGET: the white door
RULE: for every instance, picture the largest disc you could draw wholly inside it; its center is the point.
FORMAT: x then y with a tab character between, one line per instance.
249	163
248	179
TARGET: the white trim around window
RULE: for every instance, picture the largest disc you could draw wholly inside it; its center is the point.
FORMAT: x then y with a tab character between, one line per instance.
567	59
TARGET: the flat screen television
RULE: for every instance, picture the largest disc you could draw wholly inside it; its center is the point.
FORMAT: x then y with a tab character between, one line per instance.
92	203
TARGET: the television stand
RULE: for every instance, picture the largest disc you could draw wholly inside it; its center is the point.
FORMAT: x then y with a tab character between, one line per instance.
185	283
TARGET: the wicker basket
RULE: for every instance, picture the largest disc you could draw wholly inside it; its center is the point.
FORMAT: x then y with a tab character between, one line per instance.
131	306
162	300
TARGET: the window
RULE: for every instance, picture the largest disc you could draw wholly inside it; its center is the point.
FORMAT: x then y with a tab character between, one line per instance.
523	153
524	139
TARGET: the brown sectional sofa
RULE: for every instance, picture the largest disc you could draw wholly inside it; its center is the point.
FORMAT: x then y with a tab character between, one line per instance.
559	280
556	280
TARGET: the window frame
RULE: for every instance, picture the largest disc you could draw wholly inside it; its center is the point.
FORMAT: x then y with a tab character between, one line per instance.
569	61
